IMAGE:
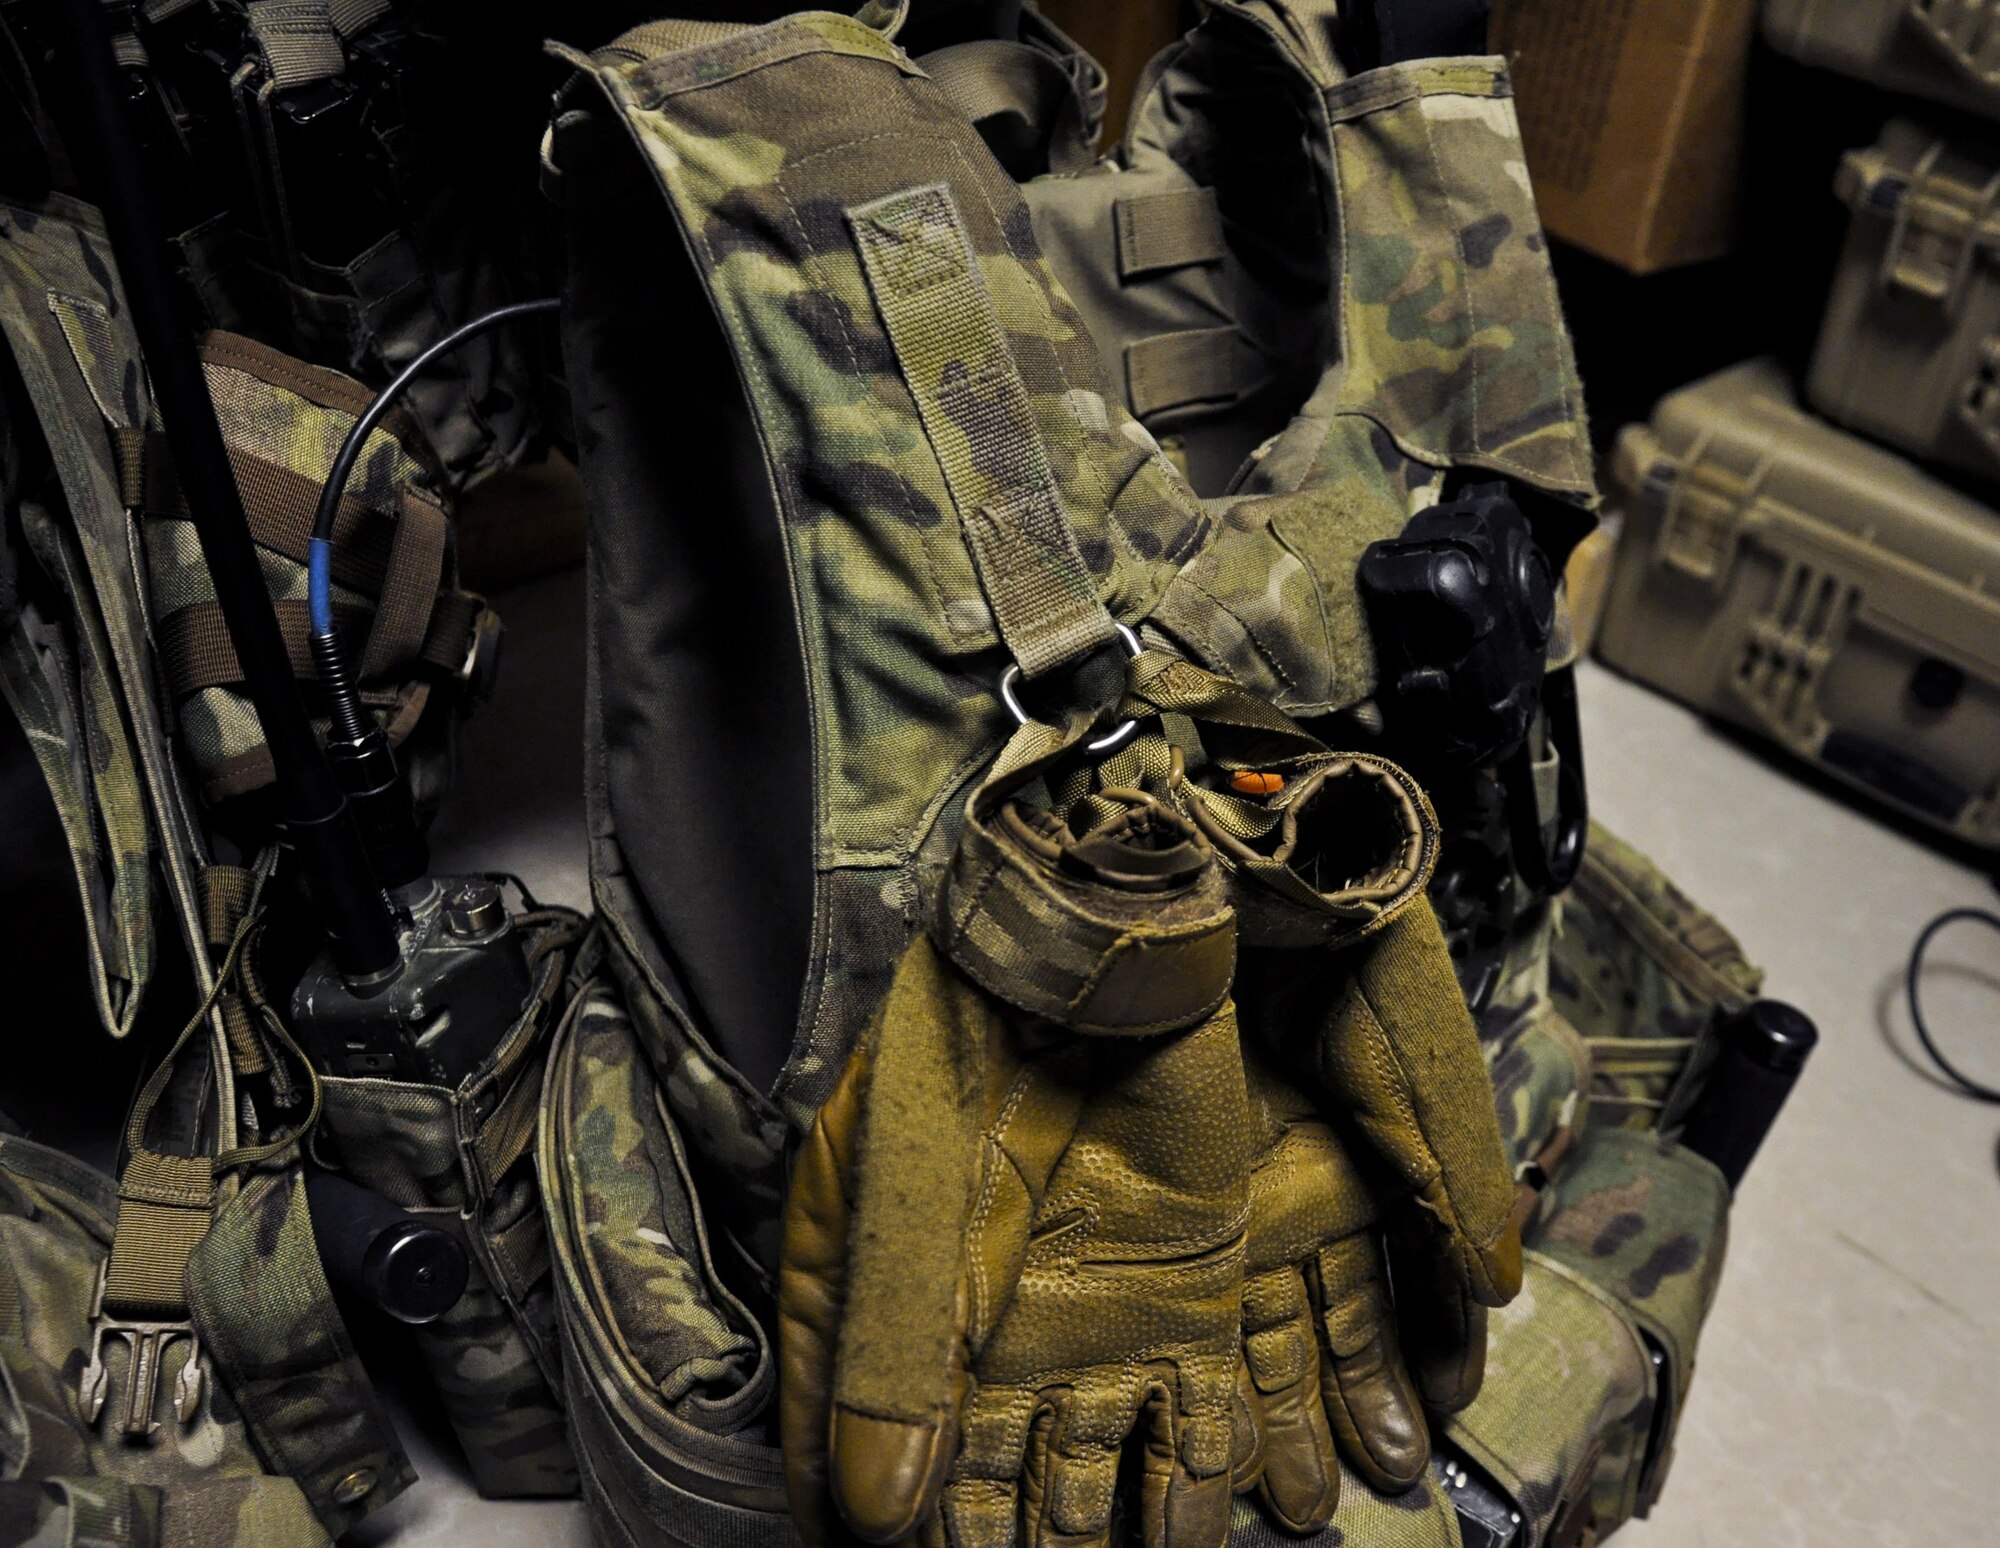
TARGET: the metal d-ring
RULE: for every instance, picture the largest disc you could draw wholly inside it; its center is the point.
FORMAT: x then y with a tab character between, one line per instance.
1113	740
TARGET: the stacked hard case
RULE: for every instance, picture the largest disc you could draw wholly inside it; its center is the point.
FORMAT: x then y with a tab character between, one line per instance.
1788	577
1778	569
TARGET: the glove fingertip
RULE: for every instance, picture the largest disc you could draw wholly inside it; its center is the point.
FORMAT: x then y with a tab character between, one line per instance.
887	1474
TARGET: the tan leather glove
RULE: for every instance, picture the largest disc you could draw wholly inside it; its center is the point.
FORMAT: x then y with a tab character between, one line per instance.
1322	1359
1014	1240
1346	985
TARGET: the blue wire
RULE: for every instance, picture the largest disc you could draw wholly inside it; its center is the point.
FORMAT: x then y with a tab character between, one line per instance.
319	585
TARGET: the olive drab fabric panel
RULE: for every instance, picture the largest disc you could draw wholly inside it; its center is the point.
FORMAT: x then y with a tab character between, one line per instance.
1365	249
668	1377
766	147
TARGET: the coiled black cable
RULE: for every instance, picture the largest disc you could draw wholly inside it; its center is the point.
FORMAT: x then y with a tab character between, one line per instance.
1958	1077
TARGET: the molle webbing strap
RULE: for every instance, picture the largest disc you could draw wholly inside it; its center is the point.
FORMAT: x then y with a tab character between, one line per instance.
298	39
409	589
163	1213
1197	365
225	898
974	406
197	652
279	504
1168	230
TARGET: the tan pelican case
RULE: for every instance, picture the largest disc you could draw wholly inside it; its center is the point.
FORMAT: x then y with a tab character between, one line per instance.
1945	50
1909	352
1789	577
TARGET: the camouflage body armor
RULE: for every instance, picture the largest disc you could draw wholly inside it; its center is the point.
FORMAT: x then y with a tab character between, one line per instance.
1335	284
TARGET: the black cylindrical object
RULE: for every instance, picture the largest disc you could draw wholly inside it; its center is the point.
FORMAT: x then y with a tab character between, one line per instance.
384	1256
1764	1046
351	905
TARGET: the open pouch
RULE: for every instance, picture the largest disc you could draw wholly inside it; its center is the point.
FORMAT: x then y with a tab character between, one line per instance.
1644	974
462	1158
669	1375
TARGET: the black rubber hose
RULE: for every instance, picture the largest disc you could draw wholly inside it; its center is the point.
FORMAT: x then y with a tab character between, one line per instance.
350	904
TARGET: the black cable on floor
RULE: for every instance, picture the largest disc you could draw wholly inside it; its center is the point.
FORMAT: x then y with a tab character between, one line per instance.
1963	1081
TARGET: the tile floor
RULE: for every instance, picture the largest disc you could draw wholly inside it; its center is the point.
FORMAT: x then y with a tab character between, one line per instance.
1849	1391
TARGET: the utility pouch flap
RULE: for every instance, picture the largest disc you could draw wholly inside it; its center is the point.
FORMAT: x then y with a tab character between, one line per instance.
669	1376
1453	334
1564	1369
77	667
1648	1222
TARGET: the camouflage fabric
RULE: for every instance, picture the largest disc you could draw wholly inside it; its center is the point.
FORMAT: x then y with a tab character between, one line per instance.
394	561
1540	1064
1648	1222
199	1483
878	505
78	665
1382	273
1564	1367
1642	972
462	1158
667	1372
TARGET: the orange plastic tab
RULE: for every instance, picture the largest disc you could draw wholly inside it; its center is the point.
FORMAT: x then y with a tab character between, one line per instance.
1250	782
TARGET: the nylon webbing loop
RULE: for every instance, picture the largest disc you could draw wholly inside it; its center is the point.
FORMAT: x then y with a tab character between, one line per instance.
298	39
1169	230
196	651
1196	365
409	589
225	892
954	356
163	1212
990	78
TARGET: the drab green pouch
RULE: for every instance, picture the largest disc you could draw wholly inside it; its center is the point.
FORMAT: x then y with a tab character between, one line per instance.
1644	974
463	1158
669	1375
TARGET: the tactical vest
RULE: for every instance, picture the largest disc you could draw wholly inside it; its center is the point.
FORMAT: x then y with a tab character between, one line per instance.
851	454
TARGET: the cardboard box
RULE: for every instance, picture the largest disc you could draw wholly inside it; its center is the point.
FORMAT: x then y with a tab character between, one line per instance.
1632	114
